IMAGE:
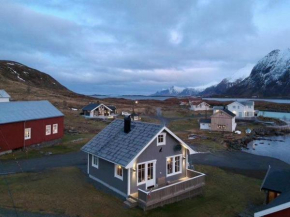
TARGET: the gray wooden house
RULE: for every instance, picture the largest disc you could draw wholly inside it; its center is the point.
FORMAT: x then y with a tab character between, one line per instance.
145	163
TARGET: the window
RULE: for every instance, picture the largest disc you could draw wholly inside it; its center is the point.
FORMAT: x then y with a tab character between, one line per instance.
222	127
141	173
27	133
48	130
173	165
161	139
95	161
238	107
55	128
119	171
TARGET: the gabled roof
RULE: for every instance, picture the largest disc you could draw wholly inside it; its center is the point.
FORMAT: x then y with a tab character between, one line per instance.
112	107
277	180
116	146
4	94
11	112
218	107
198	102
243	103
225	111
94	106
206	121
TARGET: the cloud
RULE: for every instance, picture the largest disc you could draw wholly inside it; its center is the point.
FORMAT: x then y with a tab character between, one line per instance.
138	47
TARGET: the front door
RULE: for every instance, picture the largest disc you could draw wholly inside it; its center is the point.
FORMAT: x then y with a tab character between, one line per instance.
150	174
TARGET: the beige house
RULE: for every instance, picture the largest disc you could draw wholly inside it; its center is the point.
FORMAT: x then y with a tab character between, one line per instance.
199	106
222	120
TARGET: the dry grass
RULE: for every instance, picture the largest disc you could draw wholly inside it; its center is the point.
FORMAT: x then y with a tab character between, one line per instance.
66	191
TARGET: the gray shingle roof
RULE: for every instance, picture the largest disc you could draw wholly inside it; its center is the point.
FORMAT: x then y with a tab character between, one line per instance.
248	103
229	112
11	112
112	144
90	107
277	180
4	94
208	121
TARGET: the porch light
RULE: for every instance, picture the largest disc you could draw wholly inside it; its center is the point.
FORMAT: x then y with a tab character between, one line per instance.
183	157
168	159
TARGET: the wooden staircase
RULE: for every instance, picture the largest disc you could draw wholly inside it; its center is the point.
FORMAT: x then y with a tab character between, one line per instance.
130	202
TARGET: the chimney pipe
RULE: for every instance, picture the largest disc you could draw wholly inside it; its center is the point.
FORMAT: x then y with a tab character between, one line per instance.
127	124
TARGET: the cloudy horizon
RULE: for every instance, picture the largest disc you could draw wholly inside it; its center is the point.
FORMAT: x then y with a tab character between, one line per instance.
134	47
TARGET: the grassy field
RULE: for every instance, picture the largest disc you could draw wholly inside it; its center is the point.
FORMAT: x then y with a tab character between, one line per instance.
184	125
66	191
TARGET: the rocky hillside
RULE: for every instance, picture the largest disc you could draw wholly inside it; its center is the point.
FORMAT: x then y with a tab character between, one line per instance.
221	88
13	71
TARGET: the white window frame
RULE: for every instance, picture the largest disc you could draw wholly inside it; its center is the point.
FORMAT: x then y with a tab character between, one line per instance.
47	134
29	129
116	175
93	162
173	165
164	139
141	183
54	125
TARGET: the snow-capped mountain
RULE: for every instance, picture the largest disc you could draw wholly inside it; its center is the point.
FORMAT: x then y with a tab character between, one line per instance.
189	92
221	88
172	91
270	77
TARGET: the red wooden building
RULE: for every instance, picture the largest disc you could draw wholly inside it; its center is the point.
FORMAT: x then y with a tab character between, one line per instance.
29	123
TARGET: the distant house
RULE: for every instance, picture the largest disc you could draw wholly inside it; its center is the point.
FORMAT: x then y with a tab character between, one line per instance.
217	108
145	163
221	120
243	109
4	96
23	124
199	106
276	185
184	102
135	117
99	110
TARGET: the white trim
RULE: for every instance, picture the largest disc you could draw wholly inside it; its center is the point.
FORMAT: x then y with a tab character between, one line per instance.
53	128
102	105
116	175
46	128
173	165
145	172
236	102
129	181
88	164
108	186
164	139
26	138
269	168
272	210
93	164
191	151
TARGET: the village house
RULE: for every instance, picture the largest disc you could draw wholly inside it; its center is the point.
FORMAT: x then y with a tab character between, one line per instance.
99	111
243	109
4	96
276	186
145	163
23	124
221	120
199	106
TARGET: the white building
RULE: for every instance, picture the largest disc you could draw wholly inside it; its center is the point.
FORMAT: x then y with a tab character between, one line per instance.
4	96
199	106
205	124
244	109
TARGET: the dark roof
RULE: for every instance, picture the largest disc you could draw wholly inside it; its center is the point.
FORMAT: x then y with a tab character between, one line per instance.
112	107
249	103
11	112
112	144
208	121
90	107
218	107
277	180
229	112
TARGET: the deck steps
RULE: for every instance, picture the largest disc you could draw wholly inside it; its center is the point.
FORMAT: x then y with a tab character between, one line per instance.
130	202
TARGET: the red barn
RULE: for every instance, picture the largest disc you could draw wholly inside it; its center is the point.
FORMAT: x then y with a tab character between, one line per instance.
29	123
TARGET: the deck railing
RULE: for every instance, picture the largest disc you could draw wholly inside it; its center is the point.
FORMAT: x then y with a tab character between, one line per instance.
195	181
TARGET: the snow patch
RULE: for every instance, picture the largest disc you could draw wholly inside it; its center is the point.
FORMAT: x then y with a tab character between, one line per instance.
20	78
12	64
26	73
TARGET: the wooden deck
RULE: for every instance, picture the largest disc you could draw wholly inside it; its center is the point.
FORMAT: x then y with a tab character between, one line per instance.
186	187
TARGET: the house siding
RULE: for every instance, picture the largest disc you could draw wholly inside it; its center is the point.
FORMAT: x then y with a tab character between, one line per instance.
12	134
240	110
152	153
282	213
224	119
106	173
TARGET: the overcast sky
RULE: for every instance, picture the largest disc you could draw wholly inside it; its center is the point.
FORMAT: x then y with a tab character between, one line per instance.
138	47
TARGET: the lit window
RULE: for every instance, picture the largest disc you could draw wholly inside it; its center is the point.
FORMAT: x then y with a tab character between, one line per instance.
48	130
27	133
161	139
173	165
222	127
55	128
119	172
95	161
141	173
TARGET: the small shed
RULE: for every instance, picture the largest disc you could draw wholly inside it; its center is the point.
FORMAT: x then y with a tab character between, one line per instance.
4	96
205	124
